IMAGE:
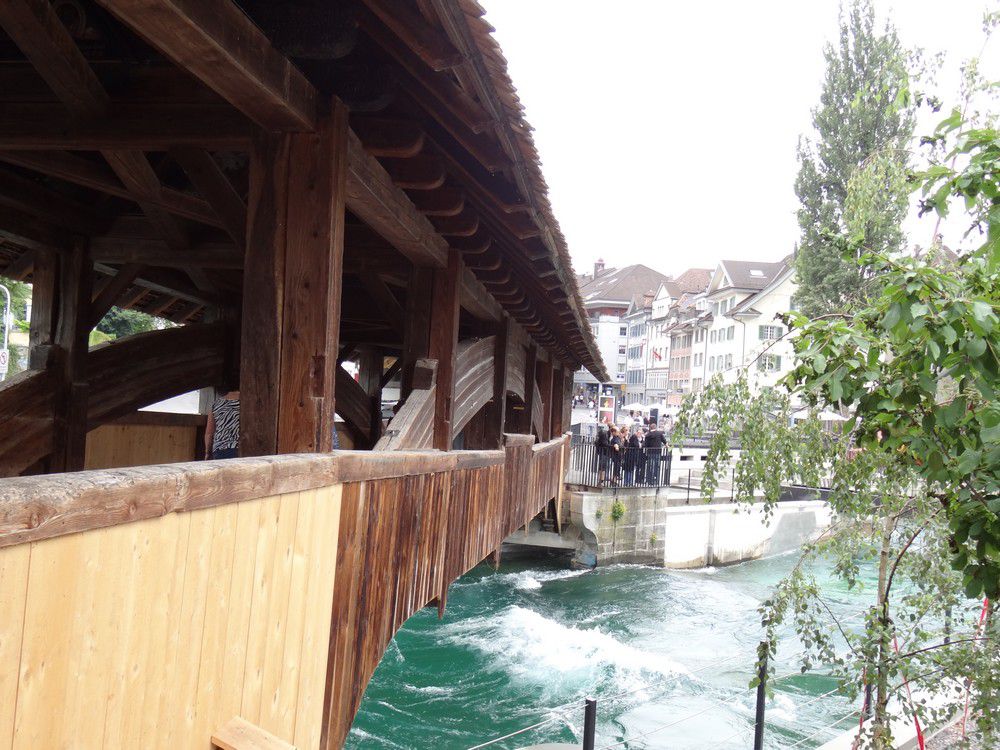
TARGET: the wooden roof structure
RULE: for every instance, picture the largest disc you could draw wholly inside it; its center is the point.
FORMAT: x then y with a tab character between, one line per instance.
132	123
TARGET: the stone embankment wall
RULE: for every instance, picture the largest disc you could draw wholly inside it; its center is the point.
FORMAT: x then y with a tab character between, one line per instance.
656	529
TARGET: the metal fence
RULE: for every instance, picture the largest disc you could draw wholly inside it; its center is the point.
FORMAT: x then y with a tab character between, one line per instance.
592	465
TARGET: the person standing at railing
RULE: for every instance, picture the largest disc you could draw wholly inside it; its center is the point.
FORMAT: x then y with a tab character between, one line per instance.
631	454
602	453
222	430
655	441
617	446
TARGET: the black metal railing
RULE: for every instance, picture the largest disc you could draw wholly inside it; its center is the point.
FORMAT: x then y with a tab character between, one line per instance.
596	465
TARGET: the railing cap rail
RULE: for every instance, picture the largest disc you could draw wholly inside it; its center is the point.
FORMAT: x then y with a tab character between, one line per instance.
41	507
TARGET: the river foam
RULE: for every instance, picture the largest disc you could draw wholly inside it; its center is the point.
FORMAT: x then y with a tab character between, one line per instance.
541	651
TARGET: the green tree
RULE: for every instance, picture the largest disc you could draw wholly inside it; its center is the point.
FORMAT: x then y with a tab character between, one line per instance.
863	118
119	323
19	295
915	474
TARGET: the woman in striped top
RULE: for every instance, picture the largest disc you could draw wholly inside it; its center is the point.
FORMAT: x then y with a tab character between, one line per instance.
222	431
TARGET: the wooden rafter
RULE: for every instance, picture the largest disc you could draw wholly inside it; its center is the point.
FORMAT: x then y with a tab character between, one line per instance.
216	188
99	177
214	41
372	197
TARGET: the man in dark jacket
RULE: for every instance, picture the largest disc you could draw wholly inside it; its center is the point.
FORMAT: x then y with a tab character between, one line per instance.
632	450
602	453
655	441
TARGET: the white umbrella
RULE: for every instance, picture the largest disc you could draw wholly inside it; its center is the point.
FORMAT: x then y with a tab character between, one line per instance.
634	407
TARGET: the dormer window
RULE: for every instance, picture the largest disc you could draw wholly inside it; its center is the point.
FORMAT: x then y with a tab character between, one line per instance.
756	273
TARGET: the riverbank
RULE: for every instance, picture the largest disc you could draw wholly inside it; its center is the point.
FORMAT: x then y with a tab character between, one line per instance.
651	526
652	645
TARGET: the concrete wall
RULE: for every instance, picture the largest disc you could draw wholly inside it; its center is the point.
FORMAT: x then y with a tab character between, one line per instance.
657	529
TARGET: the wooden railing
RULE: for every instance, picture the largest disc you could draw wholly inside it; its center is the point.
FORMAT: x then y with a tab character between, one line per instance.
153	604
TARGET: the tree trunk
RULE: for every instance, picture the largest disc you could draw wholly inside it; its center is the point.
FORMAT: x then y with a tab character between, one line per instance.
882	737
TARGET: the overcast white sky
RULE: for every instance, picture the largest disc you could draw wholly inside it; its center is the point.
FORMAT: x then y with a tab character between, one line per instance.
668	129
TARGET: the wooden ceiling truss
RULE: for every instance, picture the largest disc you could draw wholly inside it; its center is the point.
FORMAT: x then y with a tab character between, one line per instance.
142	148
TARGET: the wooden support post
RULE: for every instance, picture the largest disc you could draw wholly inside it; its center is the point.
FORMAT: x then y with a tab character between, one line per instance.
370	361
529	391
555	416
545	391
444	345
416	335
44	311
71	338
292	289
496	409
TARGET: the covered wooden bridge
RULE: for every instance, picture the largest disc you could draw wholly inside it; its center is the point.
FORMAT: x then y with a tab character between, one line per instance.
294	185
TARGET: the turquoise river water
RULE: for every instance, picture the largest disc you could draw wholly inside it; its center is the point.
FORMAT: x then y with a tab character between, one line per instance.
517	645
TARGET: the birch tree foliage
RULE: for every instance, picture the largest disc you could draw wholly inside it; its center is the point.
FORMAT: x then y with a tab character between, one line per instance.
915	469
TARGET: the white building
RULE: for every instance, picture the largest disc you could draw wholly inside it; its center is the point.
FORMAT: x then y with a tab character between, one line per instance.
637	321
607	296
743	299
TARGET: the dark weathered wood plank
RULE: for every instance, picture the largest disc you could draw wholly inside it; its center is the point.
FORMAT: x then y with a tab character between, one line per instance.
38	32
443	346
216	189
214	41
313	270
373	198
96	176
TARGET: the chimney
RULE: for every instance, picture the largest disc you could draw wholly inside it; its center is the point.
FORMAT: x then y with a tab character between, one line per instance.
598	267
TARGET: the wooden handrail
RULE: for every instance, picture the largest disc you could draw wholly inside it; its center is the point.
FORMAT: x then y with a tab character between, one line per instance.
42	507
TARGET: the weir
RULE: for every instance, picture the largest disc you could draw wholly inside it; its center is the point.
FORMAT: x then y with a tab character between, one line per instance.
291	186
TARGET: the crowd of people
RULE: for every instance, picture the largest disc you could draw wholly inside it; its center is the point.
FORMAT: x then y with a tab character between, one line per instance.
630	455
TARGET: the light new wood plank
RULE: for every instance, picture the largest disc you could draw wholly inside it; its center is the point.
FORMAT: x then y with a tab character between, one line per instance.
240	734
276	621
14	564
248	525
212	689
281	710
47	652
319	603
152	551
166	640
259	633
187	620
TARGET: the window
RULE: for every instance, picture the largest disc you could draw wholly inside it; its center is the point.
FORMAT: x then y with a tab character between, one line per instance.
621	367
711	364
621	348
623	331
732	333
729	361
712	337
769	363
770	333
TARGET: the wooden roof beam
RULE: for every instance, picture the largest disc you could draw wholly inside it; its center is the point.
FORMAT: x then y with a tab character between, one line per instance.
429	44
444	201
28	195
422	172
477	300
373	198
165	282
217	190
219	45
386	137
37	31
448	94
97	176
142	127
155	252
465	224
